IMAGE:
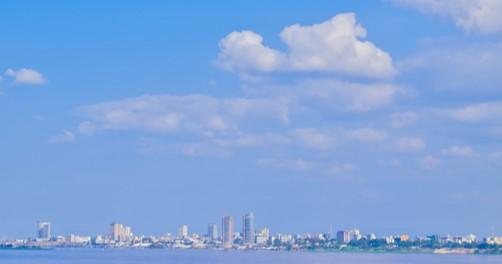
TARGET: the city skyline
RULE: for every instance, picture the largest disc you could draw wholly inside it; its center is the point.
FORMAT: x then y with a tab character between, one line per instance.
380	115
248	235
248	232
346	240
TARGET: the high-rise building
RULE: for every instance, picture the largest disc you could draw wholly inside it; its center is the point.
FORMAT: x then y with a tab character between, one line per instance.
183	231
120	233
343	237
115	231
227	234
248	229
263	236
212	232
355	234
43	230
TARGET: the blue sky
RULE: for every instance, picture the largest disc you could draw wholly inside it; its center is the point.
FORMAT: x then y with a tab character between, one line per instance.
382	115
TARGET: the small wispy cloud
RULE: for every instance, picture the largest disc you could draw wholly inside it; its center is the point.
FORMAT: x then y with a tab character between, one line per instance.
399	120
429	162
459	151
26	76
298	164
478	112
331	169
64	137
196	114
471	15
314	138
367	134
86	128
411	144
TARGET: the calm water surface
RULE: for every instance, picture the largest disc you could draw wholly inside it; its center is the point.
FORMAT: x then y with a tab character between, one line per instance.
128	256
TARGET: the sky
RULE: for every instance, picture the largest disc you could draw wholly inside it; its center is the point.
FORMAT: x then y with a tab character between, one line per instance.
381	115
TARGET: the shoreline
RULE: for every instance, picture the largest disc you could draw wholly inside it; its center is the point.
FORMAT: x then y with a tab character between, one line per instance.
441	251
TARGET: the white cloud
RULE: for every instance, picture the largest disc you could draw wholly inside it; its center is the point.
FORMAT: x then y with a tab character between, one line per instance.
429	162
254	140
65	137
313	138
341	171
26	76
333	46
476	112
367	134
290	164
399	120
471	15
201	149
452	64
275	107
306	138
244	51
460	151
334	94
86	128
410	144
354	96
198	114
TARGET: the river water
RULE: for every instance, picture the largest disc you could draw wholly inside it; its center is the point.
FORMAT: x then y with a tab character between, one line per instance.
158	256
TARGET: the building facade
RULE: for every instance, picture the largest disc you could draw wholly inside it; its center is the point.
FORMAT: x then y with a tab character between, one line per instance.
227	234
120	233
343	237
248	234
43	230
183	231
212	232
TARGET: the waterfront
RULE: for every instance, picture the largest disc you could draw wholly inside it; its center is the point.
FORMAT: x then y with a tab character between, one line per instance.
149	256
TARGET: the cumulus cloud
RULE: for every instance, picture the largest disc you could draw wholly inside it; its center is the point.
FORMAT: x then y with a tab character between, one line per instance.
333	46
26	76
486	111
243	51
471	15
459	151
65	137
410	144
